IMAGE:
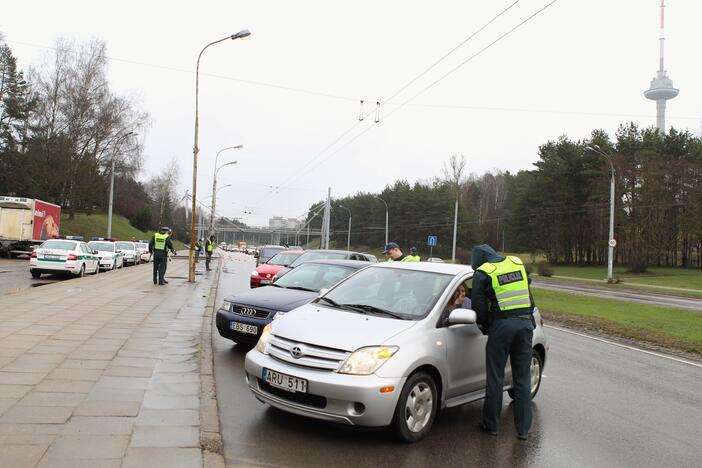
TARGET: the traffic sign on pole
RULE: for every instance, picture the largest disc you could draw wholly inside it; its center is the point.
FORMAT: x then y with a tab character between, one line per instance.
613	243
432	241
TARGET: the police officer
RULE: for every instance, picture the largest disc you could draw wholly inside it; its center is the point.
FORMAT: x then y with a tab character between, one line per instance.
394	253
413	257
198	247
209	250
501	299
159	245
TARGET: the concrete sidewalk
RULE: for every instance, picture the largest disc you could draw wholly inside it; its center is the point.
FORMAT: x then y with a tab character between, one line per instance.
109	371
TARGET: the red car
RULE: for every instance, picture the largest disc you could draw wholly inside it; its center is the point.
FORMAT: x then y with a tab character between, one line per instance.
264	273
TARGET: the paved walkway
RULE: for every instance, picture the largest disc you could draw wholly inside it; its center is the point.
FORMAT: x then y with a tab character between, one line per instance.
108	371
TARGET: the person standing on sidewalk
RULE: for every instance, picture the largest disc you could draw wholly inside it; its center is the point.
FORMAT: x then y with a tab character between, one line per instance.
504	306
198	247
209	250
159	246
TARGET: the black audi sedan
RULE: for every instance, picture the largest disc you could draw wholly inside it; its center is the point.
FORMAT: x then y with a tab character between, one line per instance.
242	316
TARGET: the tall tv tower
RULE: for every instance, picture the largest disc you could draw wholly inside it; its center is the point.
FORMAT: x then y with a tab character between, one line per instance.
661	86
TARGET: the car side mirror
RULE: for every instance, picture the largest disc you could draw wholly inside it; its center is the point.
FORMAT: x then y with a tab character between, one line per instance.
323	291
95	252
462	316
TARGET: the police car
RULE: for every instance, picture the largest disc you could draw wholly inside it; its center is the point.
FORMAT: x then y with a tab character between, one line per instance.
143	248
69	254
129	250
110	258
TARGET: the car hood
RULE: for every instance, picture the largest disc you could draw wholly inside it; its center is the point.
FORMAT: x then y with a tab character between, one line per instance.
270	297
267	269
333	328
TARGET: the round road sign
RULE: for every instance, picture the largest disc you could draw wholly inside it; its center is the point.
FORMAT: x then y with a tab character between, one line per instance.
613	243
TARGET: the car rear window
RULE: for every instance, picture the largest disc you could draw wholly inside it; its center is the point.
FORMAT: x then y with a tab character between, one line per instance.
268	252
307	256
143	245
125	246
283	258
104	246
59	245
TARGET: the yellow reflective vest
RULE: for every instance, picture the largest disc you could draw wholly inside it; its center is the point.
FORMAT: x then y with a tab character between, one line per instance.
510	283
160	241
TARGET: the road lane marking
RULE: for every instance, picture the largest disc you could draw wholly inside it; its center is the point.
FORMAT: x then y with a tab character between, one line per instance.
613	343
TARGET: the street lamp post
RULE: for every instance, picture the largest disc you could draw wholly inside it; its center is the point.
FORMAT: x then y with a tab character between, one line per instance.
386	217
112	186
214	184
611	241
348	237
191	255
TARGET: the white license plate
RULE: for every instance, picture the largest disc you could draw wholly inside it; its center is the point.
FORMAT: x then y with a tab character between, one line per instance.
51	257
285	381
265	281
244	328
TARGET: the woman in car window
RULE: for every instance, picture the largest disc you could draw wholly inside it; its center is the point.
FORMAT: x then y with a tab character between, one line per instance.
460	299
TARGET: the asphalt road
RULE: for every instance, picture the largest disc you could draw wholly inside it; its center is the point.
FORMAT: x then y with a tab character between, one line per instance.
640	297
599	405
14	276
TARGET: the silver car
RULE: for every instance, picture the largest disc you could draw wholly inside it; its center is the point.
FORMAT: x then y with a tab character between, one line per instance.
380	349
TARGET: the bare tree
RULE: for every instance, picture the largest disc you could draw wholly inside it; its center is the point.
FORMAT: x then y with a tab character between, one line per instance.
453	172
162	187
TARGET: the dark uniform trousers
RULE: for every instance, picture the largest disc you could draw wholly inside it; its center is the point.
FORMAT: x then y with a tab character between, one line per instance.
160	259
511	337
208	257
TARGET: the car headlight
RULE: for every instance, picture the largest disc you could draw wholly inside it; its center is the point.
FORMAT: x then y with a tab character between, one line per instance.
227	305
365	361
254	273
278	315
263	341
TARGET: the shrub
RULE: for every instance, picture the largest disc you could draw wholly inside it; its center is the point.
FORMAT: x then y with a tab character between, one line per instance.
544	268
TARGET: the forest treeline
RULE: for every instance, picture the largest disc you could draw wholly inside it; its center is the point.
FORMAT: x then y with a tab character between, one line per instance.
560	208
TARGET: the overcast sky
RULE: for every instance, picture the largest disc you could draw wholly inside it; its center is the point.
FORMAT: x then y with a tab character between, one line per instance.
579	65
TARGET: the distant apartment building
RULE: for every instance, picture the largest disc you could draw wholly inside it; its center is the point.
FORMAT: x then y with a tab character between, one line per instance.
278	222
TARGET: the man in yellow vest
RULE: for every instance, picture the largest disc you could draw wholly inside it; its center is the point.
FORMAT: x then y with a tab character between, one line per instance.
159	246
209	250
394	254
504	306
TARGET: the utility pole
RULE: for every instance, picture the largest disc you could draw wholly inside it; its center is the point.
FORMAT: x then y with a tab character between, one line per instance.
455	229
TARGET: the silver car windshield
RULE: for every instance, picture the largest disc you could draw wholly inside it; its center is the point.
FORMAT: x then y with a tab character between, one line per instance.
102	246
406	294
314	276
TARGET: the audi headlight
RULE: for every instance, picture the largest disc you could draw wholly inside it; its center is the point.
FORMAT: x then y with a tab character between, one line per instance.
227	305
254	273
365	361
263	341
278	315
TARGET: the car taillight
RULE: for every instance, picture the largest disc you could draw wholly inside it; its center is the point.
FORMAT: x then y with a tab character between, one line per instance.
72	257
34	254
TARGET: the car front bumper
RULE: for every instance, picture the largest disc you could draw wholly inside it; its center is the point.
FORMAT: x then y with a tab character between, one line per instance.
347	399
224	320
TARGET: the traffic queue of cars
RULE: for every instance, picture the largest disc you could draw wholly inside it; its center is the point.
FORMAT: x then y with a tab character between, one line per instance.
70	254
362	343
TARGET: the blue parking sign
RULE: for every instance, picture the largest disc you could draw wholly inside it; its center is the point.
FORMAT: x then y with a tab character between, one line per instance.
432	241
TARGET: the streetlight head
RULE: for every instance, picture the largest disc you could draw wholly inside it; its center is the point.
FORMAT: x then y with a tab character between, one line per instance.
597	147
237	147
243	34
589	148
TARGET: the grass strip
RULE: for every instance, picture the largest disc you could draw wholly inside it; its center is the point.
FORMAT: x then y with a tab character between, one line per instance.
660	326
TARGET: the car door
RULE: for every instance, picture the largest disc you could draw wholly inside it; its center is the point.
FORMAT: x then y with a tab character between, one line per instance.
87	254
465	354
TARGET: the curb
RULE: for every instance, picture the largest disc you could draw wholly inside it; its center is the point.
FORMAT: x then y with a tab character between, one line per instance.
210	436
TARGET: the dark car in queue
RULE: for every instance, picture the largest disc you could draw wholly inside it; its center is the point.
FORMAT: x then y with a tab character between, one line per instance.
242	316
320	254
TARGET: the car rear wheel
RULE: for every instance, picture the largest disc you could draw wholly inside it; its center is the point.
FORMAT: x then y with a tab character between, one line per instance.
416	408
114	265
535	374
35	274
81	273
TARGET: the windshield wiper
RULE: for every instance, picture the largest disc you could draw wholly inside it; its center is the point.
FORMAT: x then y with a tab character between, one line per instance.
299	288
373	309
330	301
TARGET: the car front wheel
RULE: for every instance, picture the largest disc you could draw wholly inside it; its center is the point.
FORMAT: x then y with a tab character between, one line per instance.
535	374
416	408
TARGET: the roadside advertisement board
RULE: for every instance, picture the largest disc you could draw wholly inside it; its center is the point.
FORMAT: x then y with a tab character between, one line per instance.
47	218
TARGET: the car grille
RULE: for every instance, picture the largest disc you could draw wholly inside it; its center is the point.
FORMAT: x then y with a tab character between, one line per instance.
307	399
316	357
250	312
